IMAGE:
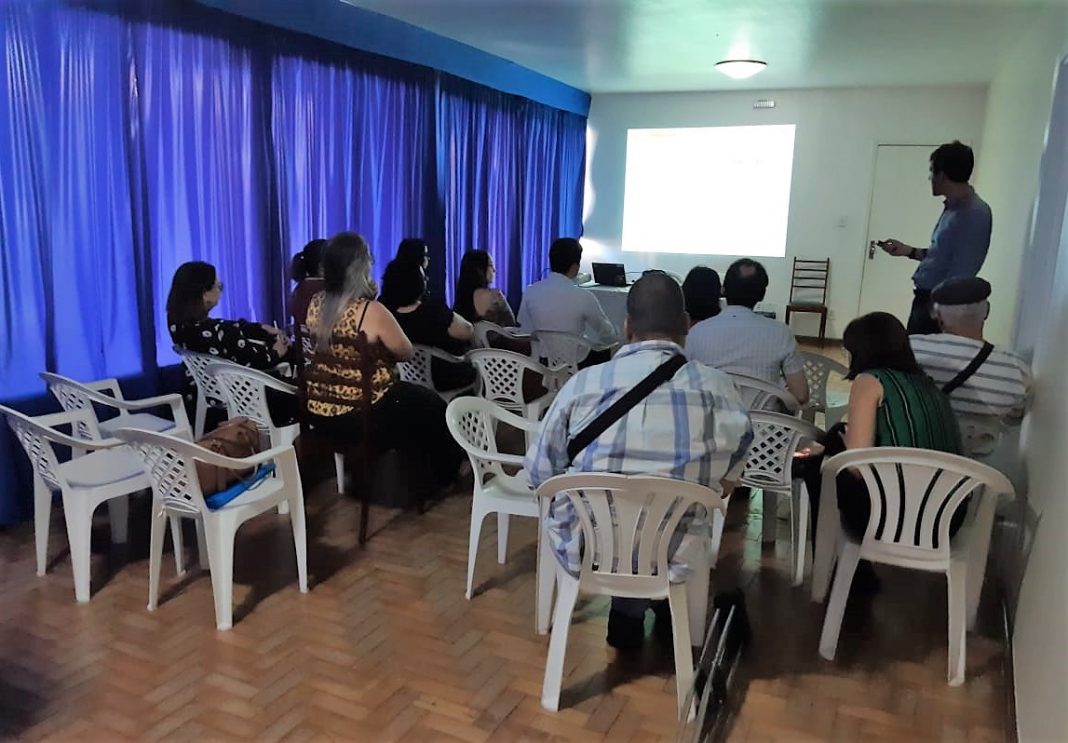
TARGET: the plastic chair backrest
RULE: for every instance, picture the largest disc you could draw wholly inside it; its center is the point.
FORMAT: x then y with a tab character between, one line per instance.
245	393
817	369
170	465
914	494
769	461
73	396
208	385
37	439
473	423
501	373
417	369
483	330
628	522
560	349
760	395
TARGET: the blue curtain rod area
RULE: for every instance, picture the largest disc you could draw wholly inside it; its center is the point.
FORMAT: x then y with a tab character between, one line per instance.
368	31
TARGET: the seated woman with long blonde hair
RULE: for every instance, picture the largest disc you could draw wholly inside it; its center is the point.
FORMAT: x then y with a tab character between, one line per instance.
352	370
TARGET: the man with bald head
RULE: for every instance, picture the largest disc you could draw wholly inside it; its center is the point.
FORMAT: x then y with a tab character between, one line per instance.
692	426
739	341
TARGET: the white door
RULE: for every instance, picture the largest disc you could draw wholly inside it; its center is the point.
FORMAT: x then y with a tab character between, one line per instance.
901	207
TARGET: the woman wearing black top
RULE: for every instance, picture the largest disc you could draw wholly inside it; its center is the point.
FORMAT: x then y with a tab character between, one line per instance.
195	290
427	322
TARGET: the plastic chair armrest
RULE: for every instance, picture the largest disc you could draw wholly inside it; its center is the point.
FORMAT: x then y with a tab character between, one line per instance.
109	387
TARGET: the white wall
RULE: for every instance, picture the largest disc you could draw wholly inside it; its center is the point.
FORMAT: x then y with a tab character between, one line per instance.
837	132
1019	107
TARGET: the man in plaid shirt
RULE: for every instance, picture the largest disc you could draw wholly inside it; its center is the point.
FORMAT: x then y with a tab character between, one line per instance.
693	427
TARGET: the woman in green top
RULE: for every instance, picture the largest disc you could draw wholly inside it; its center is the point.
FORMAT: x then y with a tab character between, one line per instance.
892	403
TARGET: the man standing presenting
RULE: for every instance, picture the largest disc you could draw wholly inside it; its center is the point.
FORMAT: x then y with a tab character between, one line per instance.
961	237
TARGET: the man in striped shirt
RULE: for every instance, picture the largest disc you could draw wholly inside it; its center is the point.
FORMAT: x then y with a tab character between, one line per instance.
1001	384
692	427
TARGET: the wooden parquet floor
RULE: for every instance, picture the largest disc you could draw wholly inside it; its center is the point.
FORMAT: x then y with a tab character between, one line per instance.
386	648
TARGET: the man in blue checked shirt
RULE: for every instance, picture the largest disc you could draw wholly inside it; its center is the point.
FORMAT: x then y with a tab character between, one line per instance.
693	427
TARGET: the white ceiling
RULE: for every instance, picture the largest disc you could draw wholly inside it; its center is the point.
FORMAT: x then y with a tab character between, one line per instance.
606	46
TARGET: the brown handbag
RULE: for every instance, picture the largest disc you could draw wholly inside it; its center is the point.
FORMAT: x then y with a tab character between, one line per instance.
237	438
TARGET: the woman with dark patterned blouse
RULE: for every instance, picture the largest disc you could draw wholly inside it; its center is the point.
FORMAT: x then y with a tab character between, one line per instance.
195	290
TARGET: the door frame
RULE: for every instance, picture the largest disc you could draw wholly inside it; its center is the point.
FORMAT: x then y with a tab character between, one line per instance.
871	207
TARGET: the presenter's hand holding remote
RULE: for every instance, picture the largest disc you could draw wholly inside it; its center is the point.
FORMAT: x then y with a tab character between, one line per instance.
894	247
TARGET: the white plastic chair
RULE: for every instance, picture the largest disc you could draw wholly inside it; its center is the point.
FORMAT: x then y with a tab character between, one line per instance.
418	370
760	395
768	466
170	463
818	369
501	374
473	423
627	523
101	470
209	390
74	395
245	394
561	350
484	328
914	494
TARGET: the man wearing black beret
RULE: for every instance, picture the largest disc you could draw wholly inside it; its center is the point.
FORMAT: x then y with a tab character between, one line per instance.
980	380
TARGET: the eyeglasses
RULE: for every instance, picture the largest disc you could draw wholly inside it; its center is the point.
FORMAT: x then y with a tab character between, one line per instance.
218	285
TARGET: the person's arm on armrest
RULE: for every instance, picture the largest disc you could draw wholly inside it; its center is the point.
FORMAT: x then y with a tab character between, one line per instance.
460	329
390	333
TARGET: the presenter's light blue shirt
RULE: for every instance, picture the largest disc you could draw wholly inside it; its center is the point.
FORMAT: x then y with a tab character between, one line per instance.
959	243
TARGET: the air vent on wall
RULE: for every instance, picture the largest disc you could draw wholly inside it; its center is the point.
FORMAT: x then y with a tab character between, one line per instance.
764	103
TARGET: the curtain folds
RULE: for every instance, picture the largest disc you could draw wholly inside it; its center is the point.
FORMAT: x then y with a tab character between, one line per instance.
133	142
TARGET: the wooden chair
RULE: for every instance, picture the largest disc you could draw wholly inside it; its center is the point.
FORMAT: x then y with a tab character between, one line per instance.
809	280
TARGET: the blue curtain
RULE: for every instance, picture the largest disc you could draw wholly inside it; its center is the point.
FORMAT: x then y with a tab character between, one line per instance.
352	150
511	178
140	137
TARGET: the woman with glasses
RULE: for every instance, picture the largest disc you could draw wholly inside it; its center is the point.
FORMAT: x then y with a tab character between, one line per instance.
195	290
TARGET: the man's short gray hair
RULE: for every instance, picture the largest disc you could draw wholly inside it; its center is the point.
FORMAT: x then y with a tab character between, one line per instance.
962	314
655	306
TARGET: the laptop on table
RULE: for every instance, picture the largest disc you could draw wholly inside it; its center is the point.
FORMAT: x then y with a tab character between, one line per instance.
610	274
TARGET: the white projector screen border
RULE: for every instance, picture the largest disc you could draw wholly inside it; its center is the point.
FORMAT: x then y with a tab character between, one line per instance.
722	190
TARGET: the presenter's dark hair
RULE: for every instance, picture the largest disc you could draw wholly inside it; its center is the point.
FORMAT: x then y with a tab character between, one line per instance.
878	340
745	283
955	160
564	253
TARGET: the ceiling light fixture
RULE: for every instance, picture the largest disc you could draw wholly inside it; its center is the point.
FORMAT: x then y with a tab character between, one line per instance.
740	69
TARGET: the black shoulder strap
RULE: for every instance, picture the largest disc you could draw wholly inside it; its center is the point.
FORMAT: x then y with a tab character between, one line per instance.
366	304
973	366
623	405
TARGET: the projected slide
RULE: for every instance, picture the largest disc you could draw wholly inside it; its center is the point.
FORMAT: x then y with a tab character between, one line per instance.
714	191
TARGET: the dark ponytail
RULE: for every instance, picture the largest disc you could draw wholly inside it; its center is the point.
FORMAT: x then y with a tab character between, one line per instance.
308	262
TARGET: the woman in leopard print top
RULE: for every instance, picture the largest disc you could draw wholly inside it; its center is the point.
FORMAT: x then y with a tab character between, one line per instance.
352	380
